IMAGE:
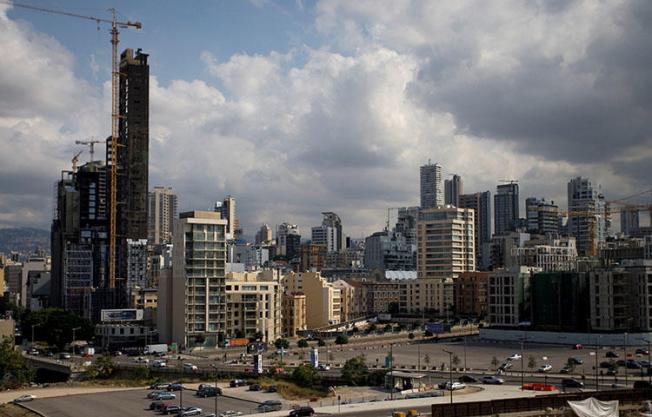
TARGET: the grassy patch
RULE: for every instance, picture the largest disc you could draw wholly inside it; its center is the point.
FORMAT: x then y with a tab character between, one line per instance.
12	410
291	391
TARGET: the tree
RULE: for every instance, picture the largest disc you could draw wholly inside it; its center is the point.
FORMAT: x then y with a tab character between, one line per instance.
306	375
302	343
456	360
388	328
426	359
257	336
281	343
14	368
531	362
54	326
342	340
376	377
102	368
320	342
373	327
355	371
411	336
495	362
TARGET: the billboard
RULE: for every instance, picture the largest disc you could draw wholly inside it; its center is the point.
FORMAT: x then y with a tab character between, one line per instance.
435	327
123	314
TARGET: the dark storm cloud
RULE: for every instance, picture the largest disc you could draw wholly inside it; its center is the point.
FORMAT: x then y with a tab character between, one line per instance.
583	111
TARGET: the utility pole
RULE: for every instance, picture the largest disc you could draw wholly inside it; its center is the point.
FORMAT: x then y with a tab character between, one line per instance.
215	367
625	357
391	369
450	368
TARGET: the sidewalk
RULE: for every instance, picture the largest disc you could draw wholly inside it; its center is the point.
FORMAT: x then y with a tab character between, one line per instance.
490	392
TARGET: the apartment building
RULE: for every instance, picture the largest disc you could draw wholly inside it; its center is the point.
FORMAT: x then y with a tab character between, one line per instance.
470	293
509	296
293	314
323	300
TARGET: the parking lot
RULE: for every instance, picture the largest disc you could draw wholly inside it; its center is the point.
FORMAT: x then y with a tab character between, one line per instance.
131	403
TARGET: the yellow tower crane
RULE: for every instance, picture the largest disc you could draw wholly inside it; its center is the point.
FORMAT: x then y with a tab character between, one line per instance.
91	144
115	81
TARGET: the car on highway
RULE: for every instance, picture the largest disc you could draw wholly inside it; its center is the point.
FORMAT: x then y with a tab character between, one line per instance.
301	412
505	366
454	386
189	367
140	359
565	370
642	351
578	346
64	355
170	409
514	357
575	360
545	368
231	413
175	387
611	354
164	396
159	385
159	364
269	405
25	398
571	383
237	383
190	411
492	380
468	379
324	367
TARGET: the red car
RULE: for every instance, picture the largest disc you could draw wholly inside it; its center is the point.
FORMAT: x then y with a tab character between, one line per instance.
578	346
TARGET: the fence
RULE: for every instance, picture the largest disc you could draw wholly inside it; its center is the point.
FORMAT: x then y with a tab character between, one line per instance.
515	405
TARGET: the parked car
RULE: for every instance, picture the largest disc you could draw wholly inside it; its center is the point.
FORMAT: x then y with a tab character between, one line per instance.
514	357
189	367
545	368
468	379
190	411
255	387
208	391
301	412
237	383
565	370
571	383
324	367
611	354
164	396
644	363
25	398
641	351
454	386
605	364
575	360
153	394
156	405
505	366
632	364
269	405
170	409
159	364
159	385
612	371
272	388
578	346
175	387
492	380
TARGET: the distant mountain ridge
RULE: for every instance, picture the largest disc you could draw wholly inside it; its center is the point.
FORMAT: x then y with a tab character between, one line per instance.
24	240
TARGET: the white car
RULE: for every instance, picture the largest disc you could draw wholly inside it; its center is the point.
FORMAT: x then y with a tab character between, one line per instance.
190	411
324	367
545	368
514	357
231	413
189	367
25	398
159	364
455	386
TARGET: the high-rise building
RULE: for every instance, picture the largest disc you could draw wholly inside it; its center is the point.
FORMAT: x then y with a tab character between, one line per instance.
453	188
542	217
389	251
294	313
406	224
282	232
506	209
445	242
264	235
481	204
324	236
137	256
161	215
197	309
330	234
226	209
432	194
587	216
629	221
132	184
509	296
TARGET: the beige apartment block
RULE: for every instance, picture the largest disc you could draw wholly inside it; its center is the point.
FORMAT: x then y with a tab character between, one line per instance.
253	304
294	313
445	242
323	300
347	300
432	296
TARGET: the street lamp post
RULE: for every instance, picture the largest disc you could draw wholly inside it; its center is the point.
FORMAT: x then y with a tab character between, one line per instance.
522	364
465	353
215	367
450	368
625	354
391	370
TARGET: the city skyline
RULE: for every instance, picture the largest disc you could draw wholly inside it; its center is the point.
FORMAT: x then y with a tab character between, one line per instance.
340	121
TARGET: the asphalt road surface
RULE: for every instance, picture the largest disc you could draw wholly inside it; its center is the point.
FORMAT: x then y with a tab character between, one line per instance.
128	404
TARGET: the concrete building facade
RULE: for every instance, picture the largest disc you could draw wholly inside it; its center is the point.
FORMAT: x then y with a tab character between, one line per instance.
506	208
587	215
481	204
453	188
542	217
509	296
470	293
161	214
293	313
323	300
432	193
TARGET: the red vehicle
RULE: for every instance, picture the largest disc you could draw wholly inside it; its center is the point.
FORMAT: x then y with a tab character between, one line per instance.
578	346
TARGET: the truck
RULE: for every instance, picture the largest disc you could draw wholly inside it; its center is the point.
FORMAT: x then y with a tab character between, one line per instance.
239	342
88	351
158	348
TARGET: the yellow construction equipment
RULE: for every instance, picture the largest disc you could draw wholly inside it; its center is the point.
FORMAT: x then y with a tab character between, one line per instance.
74	161
115	81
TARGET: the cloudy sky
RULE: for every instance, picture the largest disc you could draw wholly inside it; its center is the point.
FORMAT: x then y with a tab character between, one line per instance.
299	107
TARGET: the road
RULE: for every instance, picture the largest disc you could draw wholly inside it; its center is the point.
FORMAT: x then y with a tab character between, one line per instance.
131	403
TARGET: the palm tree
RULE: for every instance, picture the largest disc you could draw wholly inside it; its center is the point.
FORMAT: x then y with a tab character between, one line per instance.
495	362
